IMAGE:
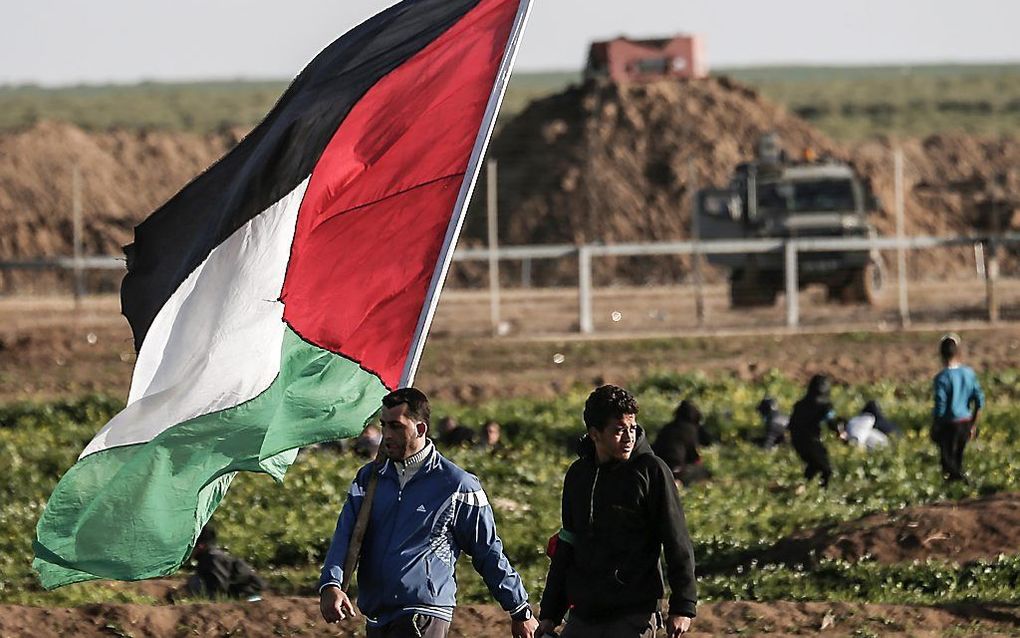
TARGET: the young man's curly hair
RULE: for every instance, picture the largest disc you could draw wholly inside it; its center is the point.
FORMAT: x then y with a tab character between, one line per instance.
608	402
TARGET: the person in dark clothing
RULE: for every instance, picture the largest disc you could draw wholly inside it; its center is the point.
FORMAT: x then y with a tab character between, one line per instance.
452	434
774	423
958	402
677	444
706	438
882	424
221	575
620	510
367	444
809	415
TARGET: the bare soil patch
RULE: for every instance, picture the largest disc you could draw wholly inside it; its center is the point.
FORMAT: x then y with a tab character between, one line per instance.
957	531
48	349
295	616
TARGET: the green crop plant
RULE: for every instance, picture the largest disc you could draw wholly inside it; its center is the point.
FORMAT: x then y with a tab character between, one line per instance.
756	498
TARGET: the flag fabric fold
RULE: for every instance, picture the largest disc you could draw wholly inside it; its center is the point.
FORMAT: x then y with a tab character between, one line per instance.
277	297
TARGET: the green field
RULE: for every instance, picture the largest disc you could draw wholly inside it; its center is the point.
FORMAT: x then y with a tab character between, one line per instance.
846	102
754	500
201	107
857	102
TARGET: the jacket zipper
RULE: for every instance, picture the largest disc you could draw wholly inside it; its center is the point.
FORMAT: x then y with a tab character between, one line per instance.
591	506
396	513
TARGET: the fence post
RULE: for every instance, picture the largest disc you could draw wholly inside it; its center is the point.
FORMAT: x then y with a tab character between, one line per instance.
699	287
901	249
77	230
992	265
492	211
526	272
585	323
792	302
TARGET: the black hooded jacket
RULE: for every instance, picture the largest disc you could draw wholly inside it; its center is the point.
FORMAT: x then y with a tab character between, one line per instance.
812	412
677	442
617	519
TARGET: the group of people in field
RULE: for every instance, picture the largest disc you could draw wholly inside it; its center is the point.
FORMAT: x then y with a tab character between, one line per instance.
678	442
957	402
621	512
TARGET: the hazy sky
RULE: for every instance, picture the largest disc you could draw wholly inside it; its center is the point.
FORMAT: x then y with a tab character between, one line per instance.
74	41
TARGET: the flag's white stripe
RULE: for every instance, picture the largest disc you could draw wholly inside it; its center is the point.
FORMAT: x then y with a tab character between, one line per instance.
217	341
464	196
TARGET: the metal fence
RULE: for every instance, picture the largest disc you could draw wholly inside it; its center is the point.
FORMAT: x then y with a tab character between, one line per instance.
708	299
986	249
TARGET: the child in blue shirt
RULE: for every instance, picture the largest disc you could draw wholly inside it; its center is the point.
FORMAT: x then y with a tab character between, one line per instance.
958	401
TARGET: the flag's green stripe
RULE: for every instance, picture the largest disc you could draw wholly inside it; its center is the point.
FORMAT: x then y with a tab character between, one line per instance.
134	512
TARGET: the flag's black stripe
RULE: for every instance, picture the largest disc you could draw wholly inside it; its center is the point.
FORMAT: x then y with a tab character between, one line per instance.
277	156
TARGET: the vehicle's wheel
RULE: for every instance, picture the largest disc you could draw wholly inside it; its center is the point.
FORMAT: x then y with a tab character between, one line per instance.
751	289
867	284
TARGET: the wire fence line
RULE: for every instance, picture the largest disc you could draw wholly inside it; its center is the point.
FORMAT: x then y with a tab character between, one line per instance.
791	250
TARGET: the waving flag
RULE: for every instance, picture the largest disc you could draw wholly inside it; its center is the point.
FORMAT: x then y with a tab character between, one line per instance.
277	298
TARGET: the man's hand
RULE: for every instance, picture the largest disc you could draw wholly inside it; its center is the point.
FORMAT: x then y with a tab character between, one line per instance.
335	605
546	628
677	625
523	628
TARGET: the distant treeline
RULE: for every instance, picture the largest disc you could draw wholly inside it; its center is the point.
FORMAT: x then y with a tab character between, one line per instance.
879	110
199	107
844	102
857	102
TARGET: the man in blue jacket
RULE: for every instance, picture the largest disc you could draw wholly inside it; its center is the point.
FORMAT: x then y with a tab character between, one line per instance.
426	511
958	402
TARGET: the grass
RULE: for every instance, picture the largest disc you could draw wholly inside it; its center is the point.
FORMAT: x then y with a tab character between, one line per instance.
756	498
848	103
858	102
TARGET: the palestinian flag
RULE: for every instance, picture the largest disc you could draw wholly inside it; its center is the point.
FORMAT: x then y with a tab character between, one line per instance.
277	297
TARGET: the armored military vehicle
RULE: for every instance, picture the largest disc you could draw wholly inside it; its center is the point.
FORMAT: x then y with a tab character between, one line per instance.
775	198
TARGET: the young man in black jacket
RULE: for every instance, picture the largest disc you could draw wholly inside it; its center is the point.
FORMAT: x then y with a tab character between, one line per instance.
809	415
621	509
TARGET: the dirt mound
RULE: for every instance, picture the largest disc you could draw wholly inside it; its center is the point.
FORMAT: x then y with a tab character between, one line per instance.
604	162
125	176
613	163
955	182
958	531
287	616
596	162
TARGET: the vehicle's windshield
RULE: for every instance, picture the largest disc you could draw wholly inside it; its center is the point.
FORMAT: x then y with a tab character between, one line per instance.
807	196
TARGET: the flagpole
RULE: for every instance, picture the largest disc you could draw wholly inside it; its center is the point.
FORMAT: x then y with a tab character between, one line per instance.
464	197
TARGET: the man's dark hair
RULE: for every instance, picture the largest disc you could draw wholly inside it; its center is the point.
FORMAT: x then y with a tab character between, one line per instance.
207	536
608	402
416	401
949	347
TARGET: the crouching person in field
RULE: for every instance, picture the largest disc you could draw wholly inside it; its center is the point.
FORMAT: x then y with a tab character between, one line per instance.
425	512
621	510
220	575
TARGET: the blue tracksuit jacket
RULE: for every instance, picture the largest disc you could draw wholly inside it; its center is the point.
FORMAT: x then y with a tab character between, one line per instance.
414	538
